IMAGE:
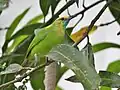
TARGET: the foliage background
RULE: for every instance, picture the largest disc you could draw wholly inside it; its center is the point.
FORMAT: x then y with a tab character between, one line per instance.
107	33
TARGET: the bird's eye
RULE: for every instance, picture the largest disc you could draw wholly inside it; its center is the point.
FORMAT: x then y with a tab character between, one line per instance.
62	18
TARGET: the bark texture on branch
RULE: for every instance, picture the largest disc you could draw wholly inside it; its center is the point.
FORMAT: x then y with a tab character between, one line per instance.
50	76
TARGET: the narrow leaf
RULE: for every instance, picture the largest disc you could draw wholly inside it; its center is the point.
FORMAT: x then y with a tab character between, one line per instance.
109	79
12	68
37	80
15	24
114	66
80	33
5	79
21	49
88	52
36	19
75	60
77	2
4	4
12	29
27	30
115	9
16	42
69	30
104	45
73	79
61	73
54	5
6	58
105	88
44	5
37	77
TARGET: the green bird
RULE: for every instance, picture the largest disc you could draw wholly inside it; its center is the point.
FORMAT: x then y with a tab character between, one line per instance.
46	38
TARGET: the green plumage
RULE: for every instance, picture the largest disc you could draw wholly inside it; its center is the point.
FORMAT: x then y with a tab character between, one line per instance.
46	38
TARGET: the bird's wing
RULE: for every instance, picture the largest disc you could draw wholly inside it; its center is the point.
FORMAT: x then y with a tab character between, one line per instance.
39	36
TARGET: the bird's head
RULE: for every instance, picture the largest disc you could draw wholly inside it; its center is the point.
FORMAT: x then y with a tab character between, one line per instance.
65	20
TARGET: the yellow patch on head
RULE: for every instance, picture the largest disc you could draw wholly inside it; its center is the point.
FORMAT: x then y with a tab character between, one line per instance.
63	18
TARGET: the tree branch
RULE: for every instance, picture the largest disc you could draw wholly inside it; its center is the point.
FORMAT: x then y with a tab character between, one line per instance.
86	8
83	11
4	28
93	22
55	16
24	75
108	23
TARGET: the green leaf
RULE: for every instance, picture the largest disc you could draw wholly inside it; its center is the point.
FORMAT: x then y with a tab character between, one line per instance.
16	42
61	72
109	79
73	79
75	60
77	2
104	45
6	58
12	28
6	79
4	4
15	24
12	68
58	88
69	30
88	52
105	88
115	9
44	5
27	30
15	57
21	49
68	39
37	77
36	19
54	5
114	66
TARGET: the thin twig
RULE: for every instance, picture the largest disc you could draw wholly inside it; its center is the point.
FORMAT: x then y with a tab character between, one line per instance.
108	23
24	75
4	28
83	11
55	16
68	10
87	8
94	21
83	4
79	20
